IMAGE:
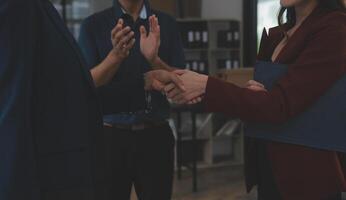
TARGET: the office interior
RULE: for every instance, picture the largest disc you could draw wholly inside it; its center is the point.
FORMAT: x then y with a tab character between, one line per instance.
220	38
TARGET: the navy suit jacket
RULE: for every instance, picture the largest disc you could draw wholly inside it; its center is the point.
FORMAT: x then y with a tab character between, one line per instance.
49	112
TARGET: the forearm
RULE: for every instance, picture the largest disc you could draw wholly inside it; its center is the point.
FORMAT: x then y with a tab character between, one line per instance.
160	64
244	103
105	71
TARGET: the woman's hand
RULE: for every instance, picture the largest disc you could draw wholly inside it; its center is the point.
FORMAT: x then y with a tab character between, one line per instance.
195	85
255	86
159	79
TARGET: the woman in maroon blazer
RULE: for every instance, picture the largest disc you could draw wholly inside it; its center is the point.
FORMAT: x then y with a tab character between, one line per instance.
313	44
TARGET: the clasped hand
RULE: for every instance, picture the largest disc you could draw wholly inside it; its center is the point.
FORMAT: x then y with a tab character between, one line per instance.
184	86
180	86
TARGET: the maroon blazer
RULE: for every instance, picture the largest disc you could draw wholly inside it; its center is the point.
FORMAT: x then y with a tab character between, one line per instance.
316	56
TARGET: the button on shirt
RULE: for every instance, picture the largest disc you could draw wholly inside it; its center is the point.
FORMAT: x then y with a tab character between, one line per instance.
124	99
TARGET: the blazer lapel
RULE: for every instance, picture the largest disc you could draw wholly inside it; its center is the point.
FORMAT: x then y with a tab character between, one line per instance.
298	40
56	19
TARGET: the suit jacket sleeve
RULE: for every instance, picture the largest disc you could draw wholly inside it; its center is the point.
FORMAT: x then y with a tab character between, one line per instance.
316	69
17	49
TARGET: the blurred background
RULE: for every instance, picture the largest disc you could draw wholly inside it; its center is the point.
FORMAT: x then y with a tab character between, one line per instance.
220	38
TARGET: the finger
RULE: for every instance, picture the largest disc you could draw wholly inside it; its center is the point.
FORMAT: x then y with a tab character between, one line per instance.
125	40
252	82
195	101
116	30
256	88
121	21
158	31
180	72
157	25
130	45
192	102
185	98
118	26
151	23
169	87
143	31
247	84
172	94
157	85
122	33
198	100
177	81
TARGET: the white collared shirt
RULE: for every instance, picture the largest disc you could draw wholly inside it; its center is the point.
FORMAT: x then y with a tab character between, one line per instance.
143	14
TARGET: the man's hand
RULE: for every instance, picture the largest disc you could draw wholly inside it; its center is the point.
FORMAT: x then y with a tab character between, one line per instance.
150	43
195	86
158	79
122	41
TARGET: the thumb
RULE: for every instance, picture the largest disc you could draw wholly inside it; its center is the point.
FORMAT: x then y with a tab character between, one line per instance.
180	72
157	85
143	32
178	82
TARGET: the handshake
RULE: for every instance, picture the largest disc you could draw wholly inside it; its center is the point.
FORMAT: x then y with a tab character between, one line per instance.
184	86
180	86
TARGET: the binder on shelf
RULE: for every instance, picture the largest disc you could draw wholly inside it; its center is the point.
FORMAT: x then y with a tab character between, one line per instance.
224	64
224	39
235	60
199	66
229	38
194	34
235	30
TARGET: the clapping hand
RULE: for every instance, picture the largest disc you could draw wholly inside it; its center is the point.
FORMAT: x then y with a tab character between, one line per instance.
122	41
150	43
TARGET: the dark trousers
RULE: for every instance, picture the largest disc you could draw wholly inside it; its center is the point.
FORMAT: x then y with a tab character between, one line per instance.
143	159
69	194
267	186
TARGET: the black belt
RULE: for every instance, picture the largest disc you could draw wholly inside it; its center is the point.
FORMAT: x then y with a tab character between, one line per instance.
137	127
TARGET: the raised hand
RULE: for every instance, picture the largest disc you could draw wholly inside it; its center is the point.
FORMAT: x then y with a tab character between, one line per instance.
150	43
158	79
122	40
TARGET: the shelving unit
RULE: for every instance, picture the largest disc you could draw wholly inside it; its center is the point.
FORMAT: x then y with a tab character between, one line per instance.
218	138
206	32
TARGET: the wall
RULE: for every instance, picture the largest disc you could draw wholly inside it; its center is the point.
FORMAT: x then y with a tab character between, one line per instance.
98	5
222	9
211	9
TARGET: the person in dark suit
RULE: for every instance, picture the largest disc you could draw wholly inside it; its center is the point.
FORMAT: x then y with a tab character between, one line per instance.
138	139
49	112
313	45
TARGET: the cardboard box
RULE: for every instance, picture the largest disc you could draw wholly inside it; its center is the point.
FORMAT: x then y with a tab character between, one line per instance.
237	76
